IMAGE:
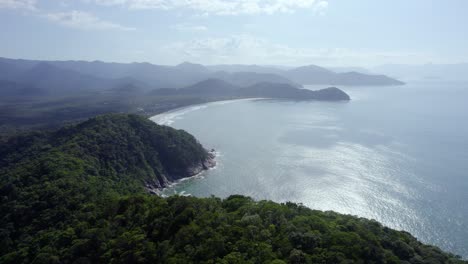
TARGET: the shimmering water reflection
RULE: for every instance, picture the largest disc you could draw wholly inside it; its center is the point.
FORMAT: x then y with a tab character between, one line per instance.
394	154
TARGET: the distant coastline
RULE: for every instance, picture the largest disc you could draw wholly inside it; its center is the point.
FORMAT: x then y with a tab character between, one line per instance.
154	117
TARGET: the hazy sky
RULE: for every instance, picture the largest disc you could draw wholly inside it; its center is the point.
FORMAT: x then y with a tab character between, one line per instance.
289	32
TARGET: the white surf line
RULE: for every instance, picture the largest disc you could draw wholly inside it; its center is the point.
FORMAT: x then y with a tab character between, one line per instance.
169	117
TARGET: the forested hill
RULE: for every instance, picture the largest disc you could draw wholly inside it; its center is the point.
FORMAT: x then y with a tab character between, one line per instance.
119	147
79	195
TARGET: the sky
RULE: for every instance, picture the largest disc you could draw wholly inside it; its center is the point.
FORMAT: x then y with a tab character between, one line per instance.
267	32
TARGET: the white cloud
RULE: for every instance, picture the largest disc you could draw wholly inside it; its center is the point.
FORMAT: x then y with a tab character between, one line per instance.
223	7
321	7
247	49
189	28
72	19
18	4
84	20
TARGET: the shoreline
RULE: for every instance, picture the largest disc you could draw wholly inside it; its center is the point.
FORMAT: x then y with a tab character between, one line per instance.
179	108
198	175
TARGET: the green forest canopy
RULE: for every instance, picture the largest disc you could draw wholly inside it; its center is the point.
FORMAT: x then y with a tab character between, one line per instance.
77	195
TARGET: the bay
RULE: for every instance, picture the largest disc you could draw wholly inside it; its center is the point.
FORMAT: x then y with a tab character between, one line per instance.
394	154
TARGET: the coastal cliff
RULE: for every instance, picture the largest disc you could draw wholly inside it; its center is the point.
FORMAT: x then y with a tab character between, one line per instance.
155	186
127	147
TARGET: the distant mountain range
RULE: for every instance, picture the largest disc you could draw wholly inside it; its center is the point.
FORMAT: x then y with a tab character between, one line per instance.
74	77
13	89
316	75
442	72
47	78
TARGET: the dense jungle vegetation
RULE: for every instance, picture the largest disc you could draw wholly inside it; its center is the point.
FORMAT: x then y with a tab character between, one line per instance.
79	195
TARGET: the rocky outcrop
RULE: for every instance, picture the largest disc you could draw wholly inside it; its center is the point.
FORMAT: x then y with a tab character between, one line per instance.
206	164
156	185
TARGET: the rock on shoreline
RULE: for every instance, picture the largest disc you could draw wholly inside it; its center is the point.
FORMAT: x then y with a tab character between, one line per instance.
207	164
154	187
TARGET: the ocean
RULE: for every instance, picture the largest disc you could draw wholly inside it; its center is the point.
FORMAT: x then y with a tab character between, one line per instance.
396	154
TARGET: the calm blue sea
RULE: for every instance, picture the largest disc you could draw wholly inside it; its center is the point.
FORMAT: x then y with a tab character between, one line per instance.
395	154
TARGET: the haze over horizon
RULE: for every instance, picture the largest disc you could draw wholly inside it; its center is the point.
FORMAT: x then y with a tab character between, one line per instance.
270	32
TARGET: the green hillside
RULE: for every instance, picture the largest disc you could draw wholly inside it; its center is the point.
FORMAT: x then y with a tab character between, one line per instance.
80	195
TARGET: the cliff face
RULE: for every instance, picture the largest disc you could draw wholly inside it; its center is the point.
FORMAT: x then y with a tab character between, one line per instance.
154	186
124	147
